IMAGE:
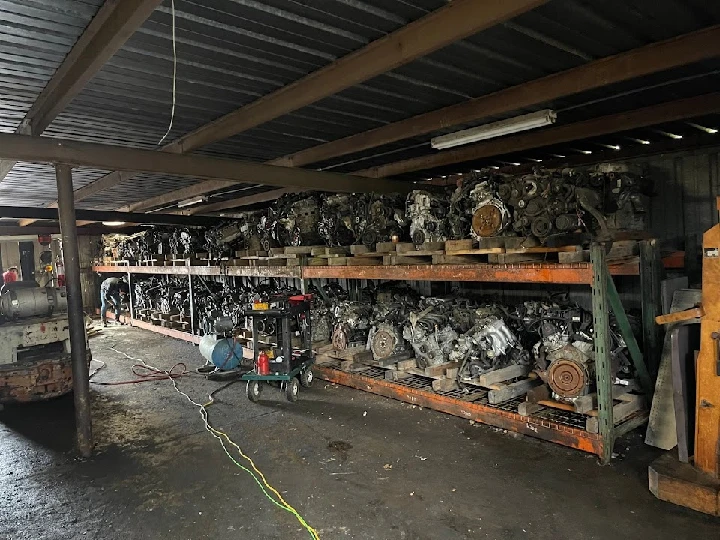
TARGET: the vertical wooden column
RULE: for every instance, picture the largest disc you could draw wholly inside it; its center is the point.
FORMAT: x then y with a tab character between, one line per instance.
707	427
76	316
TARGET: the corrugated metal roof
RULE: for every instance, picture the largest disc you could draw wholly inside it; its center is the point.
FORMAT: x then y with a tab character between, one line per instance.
231	52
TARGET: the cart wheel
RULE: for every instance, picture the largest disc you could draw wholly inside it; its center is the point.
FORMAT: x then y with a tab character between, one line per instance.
307	378
292	388
253	390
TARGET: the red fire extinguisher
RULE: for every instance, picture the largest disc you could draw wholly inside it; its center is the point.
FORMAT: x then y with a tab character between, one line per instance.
263	363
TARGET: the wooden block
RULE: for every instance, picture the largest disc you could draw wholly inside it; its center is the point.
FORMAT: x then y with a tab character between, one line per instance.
456	245
503	374
526	408
292	262
337	261
404	247
316	261
451	373
620	411
345	365
438	370
395	375
407	364
515	242
510	391
682	484
385	247
444	385
364	261
458	259
569	257
622	249
299	250
358	249
324	250
537	394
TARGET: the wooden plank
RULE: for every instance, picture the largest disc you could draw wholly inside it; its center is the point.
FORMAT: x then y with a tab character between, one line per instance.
542	249
527	408
357	249
318	251
396	375
503	258
475	251
405	247
439	369
459	259
444	385
510	391
620	411
503	374
458	245
574	256
407	364
363	261
385	247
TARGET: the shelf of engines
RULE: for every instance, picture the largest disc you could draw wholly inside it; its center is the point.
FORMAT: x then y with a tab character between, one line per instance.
244	271
565	274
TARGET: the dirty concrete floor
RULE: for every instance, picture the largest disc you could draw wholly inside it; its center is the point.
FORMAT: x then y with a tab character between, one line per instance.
355	465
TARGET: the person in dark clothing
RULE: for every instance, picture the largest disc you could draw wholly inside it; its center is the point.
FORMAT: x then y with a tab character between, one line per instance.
112	292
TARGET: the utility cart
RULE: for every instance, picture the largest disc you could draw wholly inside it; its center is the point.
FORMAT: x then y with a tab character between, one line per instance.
279	361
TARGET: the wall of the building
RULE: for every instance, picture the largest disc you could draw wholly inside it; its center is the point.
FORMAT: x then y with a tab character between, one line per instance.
687	185
88	248
10	253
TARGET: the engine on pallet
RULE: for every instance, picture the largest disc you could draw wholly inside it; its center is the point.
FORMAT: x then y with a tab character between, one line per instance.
361	219
430	333
549	202
489	345
353	322
322	311
393	306
297	220
563	356
428	216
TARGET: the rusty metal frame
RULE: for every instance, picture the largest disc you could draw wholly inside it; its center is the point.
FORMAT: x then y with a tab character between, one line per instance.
292	272
534	427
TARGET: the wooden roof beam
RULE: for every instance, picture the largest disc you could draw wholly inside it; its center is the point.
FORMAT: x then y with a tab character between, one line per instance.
639	118
455	21
114	23
123	159
652	58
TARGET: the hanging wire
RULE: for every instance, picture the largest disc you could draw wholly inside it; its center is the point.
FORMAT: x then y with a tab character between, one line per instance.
174	77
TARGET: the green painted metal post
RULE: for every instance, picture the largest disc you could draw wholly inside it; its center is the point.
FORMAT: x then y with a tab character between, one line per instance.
601	338
627	334
650	274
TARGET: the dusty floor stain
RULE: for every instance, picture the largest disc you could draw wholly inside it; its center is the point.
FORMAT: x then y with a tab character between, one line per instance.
406	474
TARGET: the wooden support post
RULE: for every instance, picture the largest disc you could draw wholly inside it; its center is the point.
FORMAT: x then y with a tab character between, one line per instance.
601	325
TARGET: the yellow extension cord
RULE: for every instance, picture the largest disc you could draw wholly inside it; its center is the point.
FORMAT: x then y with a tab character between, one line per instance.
218	434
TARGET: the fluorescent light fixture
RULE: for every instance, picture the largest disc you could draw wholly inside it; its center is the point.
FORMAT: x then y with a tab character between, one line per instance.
558	155
495	129
639	141
610	146
668	134
535	160
586	152
494	167
113	223
711	131
191	202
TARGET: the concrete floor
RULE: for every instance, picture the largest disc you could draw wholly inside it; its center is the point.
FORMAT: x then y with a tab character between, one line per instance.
353	464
